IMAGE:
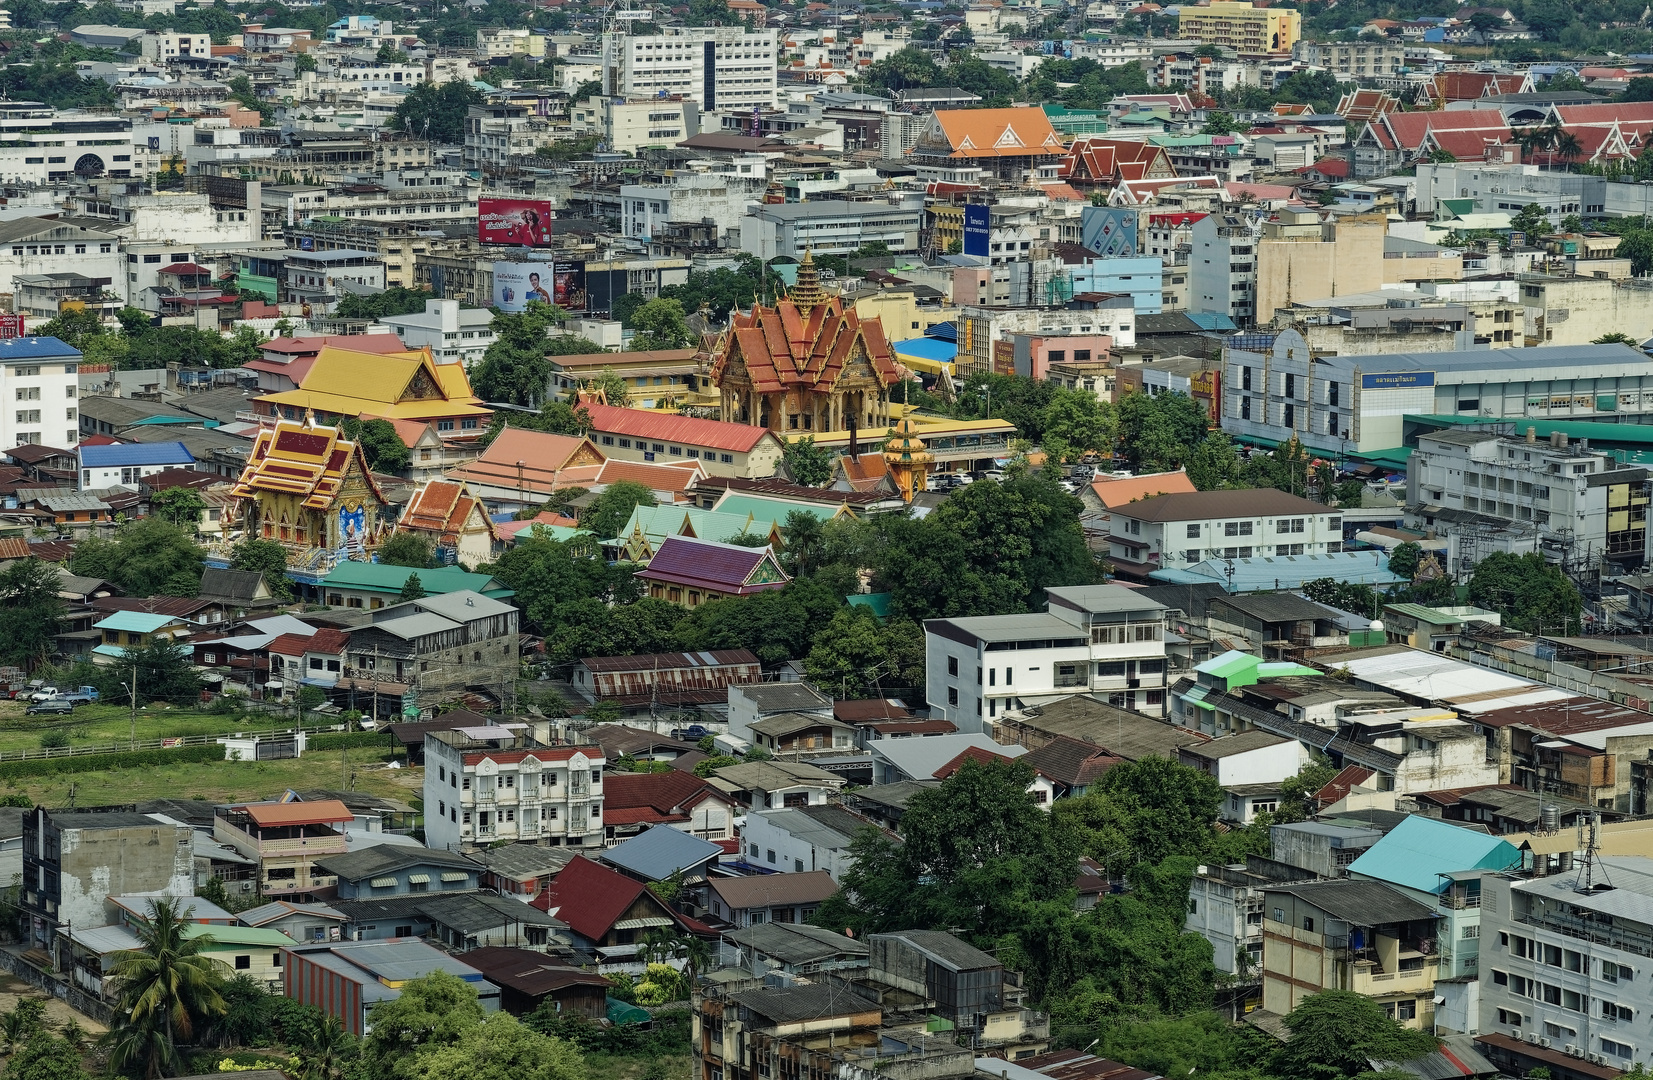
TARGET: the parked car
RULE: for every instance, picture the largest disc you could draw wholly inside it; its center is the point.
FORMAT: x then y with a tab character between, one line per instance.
692	733
50	707
85	695
45	693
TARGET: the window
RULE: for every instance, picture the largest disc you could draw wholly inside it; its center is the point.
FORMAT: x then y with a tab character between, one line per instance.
242	963
1193	532
1617	1049
1237	528
953	696
953	665
1308	923
1613	1011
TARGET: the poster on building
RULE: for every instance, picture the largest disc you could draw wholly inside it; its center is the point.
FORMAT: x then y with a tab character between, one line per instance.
10	325
517	284
1004	358
352	530
976	229
523	222
1110	231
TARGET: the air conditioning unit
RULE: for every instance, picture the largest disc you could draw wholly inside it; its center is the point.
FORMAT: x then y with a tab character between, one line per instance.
1545	1043
1575	1051
1598	1059
1532	1037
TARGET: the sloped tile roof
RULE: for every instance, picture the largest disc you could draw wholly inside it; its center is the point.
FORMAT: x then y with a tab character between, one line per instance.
673	429
725	568
788	347
442	507
296	459
998	132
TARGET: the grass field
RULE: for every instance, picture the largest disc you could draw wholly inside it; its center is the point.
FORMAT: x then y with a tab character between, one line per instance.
222	781
600	1066
97	725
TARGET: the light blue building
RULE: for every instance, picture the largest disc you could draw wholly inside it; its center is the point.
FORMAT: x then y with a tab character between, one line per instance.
1142	276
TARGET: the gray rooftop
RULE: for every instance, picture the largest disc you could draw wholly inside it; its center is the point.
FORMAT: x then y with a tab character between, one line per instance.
944	948
782	697
1229	745
807	1001
388	859
1034	627
1607	360
828	208
796	943
920	758
658	853
1362	903
520	861
1103	598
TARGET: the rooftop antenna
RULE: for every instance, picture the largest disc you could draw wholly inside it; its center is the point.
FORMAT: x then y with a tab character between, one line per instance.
1590	841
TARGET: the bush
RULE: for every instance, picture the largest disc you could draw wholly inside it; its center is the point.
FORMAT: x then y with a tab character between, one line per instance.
57	739
126	759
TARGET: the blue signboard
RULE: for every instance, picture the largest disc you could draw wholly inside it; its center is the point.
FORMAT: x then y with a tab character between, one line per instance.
975	230
1397	380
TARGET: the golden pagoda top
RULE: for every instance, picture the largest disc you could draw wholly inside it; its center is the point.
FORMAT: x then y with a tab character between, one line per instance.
807	293
904	447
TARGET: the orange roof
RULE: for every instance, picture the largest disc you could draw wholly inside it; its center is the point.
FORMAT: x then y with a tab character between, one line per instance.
443	507
999	132
536	461
669	428
297	459
656	476
320	812
788	347
1116	491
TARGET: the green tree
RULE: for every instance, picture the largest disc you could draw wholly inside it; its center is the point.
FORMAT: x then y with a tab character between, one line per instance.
807	463
265	557
1345	596
501	1048
1157	432
1533	596
165	672
609	512
412	589
75	327
612	385
857	655
1214	464
31	612
1297	792
1404	560
148	557
1076	423
435	111
1221	123
45	1057
1531	220
1144	812
1335	1035
432	1013
182	506
396	300
515	369
776	626
660	324
1614	338
304	62
165	989
383	447
406	549
910	67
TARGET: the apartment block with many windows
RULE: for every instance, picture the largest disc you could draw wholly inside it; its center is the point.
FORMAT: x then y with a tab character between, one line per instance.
489	785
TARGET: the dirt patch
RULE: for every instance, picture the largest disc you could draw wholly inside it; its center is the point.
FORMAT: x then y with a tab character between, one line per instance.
57	1013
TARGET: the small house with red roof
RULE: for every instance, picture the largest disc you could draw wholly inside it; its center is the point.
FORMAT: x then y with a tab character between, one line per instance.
307	660
1043	788
1072	765
681	800
522	467
723	449
1331	170
689	571
453	521
606	910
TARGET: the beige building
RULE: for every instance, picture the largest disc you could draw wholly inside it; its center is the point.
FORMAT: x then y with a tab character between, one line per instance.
1240	26
628	124
900	312
1566	310
1300	257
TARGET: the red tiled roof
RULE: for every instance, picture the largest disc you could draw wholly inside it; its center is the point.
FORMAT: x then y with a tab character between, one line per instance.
969	753
657	476
1351	776
591	898
1017	131
538	462
177	478
325	640
666	795
185	268
724	568
786	348
443	507
1332	167
321	812
673	429
310	346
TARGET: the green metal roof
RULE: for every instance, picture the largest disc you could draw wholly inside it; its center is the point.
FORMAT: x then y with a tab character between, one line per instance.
764	508
382	578
1229	664
1419	850
1601	435
135	622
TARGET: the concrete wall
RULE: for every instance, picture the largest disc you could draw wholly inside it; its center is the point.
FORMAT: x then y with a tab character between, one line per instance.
100	863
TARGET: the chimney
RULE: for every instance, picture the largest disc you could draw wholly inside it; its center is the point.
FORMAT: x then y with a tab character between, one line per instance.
1532	435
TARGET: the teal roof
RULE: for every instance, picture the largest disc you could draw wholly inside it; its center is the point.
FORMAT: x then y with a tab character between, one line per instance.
134	622
878	603
1600	434
659	522
1229	664
766	509
382	578
1419	850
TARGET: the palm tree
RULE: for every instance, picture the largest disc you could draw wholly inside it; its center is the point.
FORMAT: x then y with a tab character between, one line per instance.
697	956
326	1049
165	987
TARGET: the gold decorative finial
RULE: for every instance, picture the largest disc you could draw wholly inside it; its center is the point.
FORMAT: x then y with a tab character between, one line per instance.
807	293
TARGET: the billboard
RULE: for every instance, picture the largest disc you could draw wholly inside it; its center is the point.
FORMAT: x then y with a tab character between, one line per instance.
1397	380
976	230
517	284
1110	231
523	222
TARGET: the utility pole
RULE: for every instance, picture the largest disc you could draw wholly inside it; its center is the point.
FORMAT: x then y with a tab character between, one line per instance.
132	738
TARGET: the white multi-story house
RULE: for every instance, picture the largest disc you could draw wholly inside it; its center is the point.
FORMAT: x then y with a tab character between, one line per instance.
1222	267
169	45
454	334
689	197
718	67
1564	969
1191	527
1092	639
628	124
39	387
1365	58
488	785
1560	493
35	245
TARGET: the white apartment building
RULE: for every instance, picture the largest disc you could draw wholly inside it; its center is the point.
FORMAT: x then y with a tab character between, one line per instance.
343	81
1358	402
629	124
488	785
1366	58
1558	492
1184	529
1564	968
40	144
181	217
496	133
168	45
832	226
1091	639
1497	187
31	245
1222	267
498	42
454	335
717	67
688	197
39	392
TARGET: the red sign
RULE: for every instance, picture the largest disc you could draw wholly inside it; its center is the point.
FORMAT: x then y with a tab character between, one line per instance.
522	222
11	325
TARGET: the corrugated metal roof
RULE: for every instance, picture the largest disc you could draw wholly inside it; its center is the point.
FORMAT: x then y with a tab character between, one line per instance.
660	852
1421	849
128	454
135	622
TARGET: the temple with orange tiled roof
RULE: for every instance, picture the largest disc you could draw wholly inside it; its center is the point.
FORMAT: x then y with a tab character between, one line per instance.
308	488
1016	145
807	364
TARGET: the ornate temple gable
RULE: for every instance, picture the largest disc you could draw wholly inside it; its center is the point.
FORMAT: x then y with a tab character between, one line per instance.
1007	139
766	572
585	455
422	386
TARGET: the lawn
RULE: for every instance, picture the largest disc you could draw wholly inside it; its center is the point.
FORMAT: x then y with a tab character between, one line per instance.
601	1066
98	725
222	781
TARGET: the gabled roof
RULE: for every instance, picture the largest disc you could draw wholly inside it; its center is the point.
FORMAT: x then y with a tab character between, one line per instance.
804	346
657	853
537	462
323	812
1116	491
1419	850
1071	762
769	890
326	641
1206	505
400	385
676	430
444	508
297	459
653	798
725	568
998	132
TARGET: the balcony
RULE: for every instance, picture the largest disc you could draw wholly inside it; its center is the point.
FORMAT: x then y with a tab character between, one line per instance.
1369	981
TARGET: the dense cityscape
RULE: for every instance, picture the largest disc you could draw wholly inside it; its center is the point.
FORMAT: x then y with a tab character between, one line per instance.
836	540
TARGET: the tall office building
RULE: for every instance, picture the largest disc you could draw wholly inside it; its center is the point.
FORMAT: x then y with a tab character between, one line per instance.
717	67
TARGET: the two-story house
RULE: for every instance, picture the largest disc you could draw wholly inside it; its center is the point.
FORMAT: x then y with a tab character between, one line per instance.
382	870
286	838
1105	640
1184	529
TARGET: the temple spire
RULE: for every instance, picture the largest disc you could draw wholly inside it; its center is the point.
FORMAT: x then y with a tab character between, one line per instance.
807	293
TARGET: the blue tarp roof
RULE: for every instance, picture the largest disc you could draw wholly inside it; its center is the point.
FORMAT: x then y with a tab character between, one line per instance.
927	348
27	348
658	853
124	454
1418	850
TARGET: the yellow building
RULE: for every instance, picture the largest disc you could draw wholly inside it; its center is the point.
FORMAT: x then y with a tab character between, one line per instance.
309	489
1246	29
1301	258
900	312
343	383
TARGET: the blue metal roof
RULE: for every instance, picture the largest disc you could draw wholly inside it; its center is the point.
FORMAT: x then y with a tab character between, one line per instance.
1419	850
658	853
944	331
124	454
1210	320
927	348
36	348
